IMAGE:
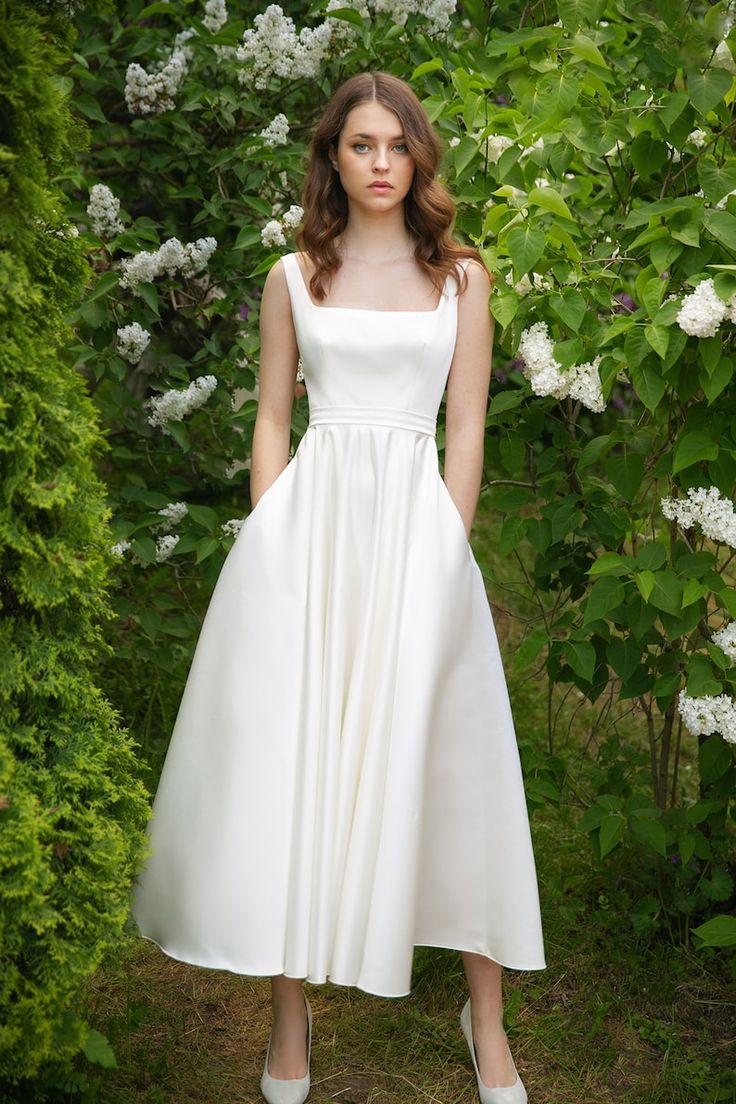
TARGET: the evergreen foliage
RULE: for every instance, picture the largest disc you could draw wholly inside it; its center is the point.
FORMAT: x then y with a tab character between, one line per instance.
72	809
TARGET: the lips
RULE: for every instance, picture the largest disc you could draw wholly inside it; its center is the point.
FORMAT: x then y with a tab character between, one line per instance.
381	187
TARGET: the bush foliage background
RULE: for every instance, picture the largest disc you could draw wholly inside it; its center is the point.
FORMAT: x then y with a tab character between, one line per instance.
72	806
590	148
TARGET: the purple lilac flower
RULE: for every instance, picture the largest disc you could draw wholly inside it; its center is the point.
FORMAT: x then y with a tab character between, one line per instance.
625	303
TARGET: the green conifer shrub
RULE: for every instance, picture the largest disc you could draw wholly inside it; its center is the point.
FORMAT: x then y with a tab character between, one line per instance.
72	807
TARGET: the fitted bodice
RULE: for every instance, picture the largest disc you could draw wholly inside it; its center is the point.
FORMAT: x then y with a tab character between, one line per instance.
361	363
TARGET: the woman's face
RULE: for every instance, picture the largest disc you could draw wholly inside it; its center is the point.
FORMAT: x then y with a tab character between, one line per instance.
371	147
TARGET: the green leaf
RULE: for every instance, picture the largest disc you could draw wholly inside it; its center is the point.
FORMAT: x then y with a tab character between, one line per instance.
248	236
430	66
648	383
149	295
707	89
579	13
722	225
720	931
580	655
685	846
659	339
464	153
530	648
348	14
605	595
715	383
586	49
611	831
525	247
89	106
145	549
505	400
551	200
570	307
693	592
649	832
673	104
648	155
504	306
716	180
607	562
666	593
645	582
204	516
104	286
206	547
97	1049
714	758
626	472
692	447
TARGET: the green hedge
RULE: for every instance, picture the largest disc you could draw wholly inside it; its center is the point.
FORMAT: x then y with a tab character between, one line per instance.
72	808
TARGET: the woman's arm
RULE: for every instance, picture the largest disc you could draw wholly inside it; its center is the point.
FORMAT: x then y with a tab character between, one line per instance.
467	394
277	377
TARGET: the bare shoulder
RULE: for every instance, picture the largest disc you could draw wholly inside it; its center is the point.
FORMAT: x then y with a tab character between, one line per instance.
275	305
276	286
480	280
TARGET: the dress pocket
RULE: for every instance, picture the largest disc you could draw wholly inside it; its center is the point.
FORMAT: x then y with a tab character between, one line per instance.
271	489
452	510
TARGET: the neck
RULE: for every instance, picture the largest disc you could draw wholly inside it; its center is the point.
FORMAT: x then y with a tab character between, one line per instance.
376	237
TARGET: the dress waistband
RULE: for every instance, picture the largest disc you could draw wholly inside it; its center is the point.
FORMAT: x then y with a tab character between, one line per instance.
373	415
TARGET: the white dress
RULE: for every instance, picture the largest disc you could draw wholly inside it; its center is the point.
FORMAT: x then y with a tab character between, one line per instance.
343	780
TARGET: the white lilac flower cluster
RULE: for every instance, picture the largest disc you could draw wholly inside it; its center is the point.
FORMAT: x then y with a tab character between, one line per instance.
118	550
697	137
172	515
103	210
274	48
273	232
704	507
545	374
232	527
703	311
170	258
133	341
174	405
165	546
151	93
709	714
525	285
725	639
436	12
277	131
215	15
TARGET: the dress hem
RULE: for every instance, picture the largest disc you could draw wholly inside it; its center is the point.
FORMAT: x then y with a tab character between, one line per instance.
329	978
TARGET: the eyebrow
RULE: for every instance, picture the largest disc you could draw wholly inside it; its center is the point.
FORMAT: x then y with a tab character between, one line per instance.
361	135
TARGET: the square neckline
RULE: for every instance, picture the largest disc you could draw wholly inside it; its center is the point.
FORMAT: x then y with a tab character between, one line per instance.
360	310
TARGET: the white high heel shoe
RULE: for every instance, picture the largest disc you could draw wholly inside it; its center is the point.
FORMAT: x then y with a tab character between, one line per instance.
500	1094
289	1090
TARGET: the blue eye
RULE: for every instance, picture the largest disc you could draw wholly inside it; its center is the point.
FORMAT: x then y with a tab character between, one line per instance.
398	144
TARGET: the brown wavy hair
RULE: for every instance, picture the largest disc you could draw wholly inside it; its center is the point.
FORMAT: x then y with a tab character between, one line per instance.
429	209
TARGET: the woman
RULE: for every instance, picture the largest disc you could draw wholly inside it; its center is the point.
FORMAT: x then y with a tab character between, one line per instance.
343	782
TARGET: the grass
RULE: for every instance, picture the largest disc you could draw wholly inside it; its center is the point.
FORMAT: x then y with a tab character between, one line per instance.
612	1019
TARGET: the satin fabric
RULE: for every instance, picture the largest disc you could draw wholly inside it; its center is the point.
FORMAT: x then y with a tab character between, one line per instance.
343	780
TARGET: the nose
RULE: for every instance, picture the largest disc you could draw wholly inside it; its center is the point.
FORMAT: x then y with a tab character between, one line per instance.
380	161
